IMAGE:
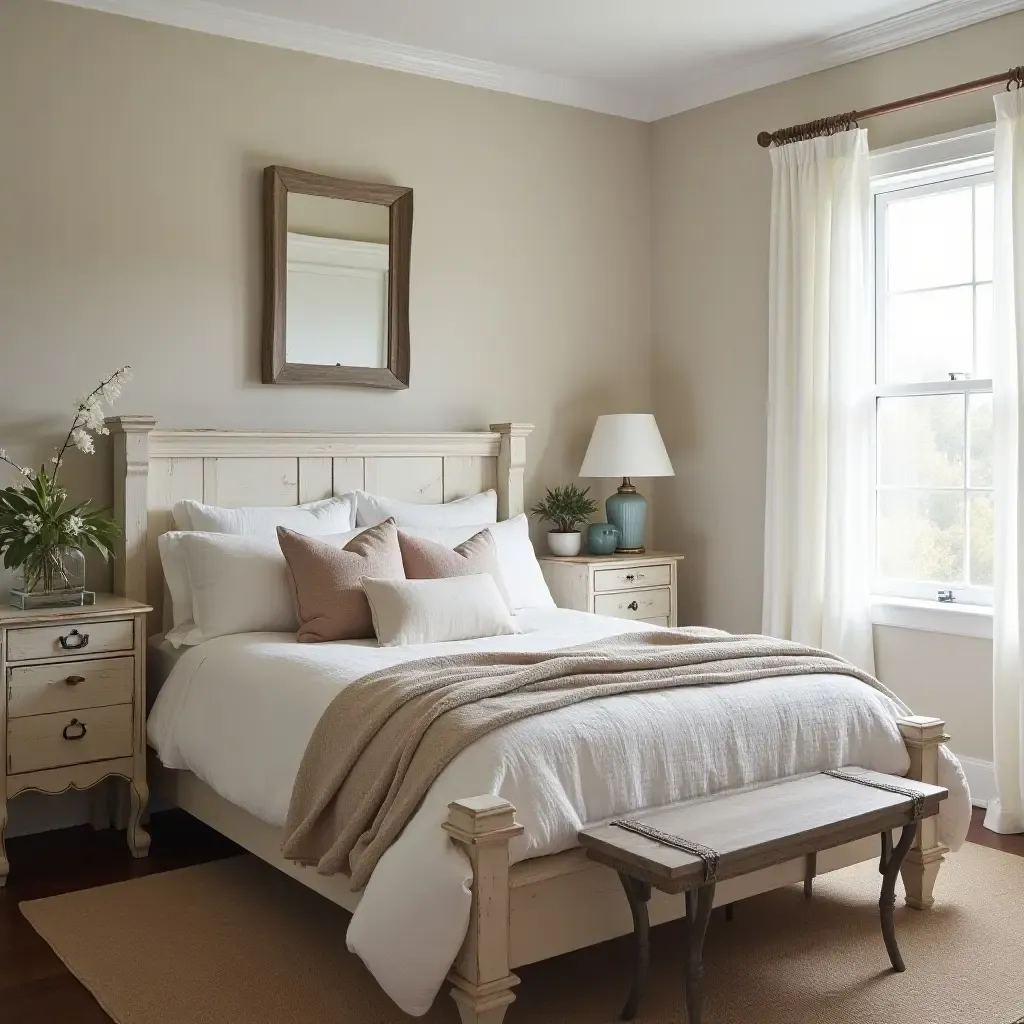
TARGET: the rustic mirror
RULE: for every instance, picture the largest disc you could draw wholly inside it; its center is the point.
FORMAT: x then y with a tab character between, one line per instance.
337	280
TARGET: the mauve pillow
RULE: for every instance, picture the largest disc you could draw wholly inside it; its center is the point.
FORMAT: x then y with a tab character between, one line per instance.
326	578
427	560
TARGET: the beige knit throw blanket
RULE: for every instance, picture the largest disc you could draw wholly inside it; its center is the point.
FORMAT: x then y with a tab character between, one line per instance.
385	738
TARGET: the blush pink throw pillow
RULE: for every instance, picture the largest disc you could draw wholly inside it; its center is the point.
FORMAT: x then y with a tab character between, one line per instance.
428	560
326	578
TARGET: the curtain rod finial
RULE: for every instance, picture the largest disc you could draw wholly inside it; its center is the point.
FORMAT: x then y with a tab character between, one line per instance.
764	139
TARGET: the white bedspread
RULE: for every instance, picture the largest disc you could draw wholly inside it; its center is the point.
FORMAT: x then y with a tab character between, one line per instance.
238	711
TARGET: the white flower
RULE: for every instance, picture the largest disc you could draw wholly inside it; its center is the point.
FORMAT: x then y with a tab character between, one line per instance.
90	413
82	440
32	523
3	453
57	462
73	525
25	471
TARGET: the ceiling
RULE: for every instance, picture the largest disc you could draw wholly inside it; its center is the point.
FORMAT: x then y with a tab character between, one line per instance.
638	58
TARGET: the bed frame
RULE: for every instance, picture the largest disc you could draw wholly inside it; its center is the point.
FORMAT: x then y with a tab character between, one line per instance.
537	908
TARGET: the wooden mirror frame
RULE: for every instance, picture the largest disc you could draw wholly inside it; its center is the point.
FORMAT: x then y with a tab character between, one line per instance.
277	183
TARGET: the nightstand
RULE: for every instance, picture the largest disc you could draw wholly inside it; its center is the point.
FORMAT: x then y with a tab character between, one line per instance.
74	707
639	587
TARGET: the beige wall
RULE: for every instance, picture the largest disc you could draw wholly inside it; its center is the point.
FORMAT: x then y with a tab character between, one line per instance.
711	217
130	233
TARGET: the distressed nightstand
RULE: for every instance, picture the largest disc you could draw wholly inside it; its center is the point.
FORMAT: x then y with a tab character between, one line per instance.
74	707
639	587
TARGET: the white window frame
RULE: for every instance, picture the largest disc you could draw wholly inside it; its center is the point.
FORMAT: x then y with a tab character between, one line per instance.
927	165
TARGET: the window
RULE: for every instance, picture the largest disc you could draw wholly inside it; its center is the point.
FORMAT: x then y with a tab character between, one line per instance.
933	251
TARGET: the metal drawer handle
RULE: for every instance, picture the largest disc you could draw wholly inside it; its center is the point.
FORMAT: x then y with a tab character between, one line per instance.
81	640
71	725
74	680
632	606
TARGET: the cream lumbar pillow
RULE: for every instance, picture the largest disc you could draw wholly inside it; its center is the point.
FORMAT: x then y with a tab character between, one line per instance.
326	578
428	560
409	612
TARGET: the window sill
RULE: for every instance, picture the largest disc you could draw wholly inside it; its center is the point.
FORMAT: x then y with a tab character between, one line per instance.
932	617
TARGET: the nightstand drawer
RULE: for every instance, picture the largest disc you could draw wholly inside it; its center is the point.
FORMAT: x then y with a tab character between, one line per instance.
627	579
635	604
69	641
54	741
60	686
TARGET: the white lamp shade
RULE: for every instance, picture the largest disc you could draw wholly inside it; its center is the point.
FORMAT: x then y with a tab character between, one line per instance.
626	444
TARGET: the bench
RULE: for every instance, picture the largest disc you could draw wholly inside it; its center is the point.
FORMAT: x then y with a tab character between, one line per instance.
689	849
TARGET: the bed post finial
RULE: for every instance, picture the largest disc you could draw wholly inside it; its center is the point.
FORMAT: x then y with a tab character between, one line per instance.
923	737
482	979
130	435
511	467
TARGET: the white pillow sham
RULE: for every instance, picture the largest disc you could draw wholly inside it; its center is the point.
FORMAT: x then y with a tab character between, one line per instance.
517	560
476	509
329	515
238	584
434	611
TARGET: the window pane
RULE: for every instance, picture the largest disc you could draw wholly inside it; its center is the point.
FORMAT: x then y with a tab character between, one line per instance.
982	536
984	225
929	240
980	441
921	535
921	441
929	334
983	312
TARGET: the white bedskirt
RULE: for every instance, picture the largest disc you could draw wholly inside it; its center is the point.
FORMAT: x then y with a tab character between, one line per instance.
238	712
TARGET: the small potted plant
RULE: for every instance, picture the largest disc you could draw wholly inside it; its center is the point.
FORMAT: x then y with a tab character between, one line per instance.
40	536
567	508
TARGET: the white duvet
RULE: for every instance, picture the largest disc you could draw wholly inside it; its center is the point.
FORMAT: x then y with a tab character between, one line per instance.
238	711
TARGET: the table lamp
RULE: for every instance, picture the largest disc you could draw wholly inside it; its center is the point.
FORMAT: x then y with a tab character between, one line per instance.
626	445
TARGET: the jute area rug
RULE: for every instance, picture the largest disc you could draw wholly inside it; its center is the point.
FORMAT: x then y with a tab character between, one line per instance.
235	942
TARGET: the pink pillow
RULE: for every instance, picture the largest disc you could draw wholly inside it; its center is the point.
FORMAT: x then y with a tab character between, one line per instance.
327	578
428	560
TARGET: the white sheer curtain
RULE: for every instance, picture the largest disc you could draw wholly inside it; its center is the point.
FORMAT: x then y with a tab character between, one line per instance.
1006	814
820	366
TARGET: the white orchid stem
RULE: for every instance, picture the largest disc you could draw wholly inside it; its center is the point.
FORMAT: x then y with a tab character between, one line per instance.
78	416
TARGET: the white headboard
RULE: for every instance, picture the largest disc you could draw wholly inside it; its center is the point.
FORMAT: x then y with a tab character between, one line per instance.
153	469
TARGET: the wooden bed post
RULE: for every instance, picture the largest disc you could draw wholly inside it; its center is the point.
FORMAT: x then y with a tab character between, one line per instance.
923	737
511	467
130	435
482	980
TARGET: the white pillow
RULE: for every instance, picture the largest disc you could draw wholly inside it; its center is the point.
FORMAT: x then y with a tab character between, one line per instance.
517	560
432	611
330	515
239	585
172	558
477	509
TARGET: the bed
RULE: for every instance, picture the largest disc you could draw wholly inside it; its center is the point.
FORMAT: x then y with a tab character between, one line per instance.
487	873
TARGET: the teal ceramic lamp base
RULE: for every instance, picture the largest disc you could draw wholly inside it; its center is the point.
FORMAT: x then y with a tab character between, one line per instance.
628	511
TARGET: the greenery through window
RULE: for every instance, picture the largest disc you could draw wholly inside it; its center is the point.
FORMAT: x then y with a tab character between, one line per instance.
933	317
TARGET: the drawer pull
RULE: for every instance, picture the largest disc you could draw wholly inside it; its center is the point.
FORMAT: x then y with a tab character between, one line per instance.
71	725
630	577
74	680
81	640
632	606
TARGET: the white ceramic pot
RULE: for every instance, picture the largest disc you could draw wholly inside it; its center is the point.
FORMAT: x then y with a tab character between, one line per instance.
565	544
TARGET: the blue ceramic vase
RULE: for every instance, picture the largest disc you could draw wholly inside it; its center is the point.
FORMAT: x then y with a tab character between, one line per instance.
628	511
602	538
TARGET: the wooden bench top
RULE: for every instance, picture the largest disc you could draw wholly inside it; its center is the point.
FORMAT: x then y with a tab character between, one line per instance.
757	828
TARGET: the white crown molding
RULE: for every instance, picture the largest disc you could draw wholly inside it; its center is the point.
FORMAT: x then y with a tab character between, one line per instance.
935	19
223	20
649	101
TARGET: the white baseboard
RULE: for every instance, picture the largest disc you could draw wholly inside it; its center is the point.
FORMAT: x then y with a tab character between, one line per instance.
981	777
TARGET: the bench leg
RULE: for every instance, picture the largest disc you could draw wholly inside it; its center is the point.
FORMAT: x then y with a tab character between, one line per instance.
887	900
638	893
698	912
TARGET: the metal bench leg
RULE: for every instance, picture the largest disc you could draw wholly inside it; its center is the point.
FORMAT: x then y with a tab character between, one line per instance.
638	893
887	901
698	912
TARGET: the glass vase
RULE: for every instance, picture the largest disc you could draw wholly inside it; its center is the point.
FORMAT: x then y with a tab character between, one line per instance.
51	576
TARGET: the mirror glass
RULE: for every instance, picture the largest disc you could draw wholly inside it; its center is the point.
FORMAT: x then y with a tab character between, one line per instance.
338	255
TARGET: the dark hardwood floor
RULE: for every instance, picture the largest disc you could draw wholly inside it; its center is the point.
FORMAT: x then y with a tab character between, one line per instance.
36	988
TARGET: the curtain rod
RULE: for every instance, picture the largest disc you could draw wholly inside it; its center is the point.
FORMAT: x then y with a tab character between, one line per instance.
843	122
